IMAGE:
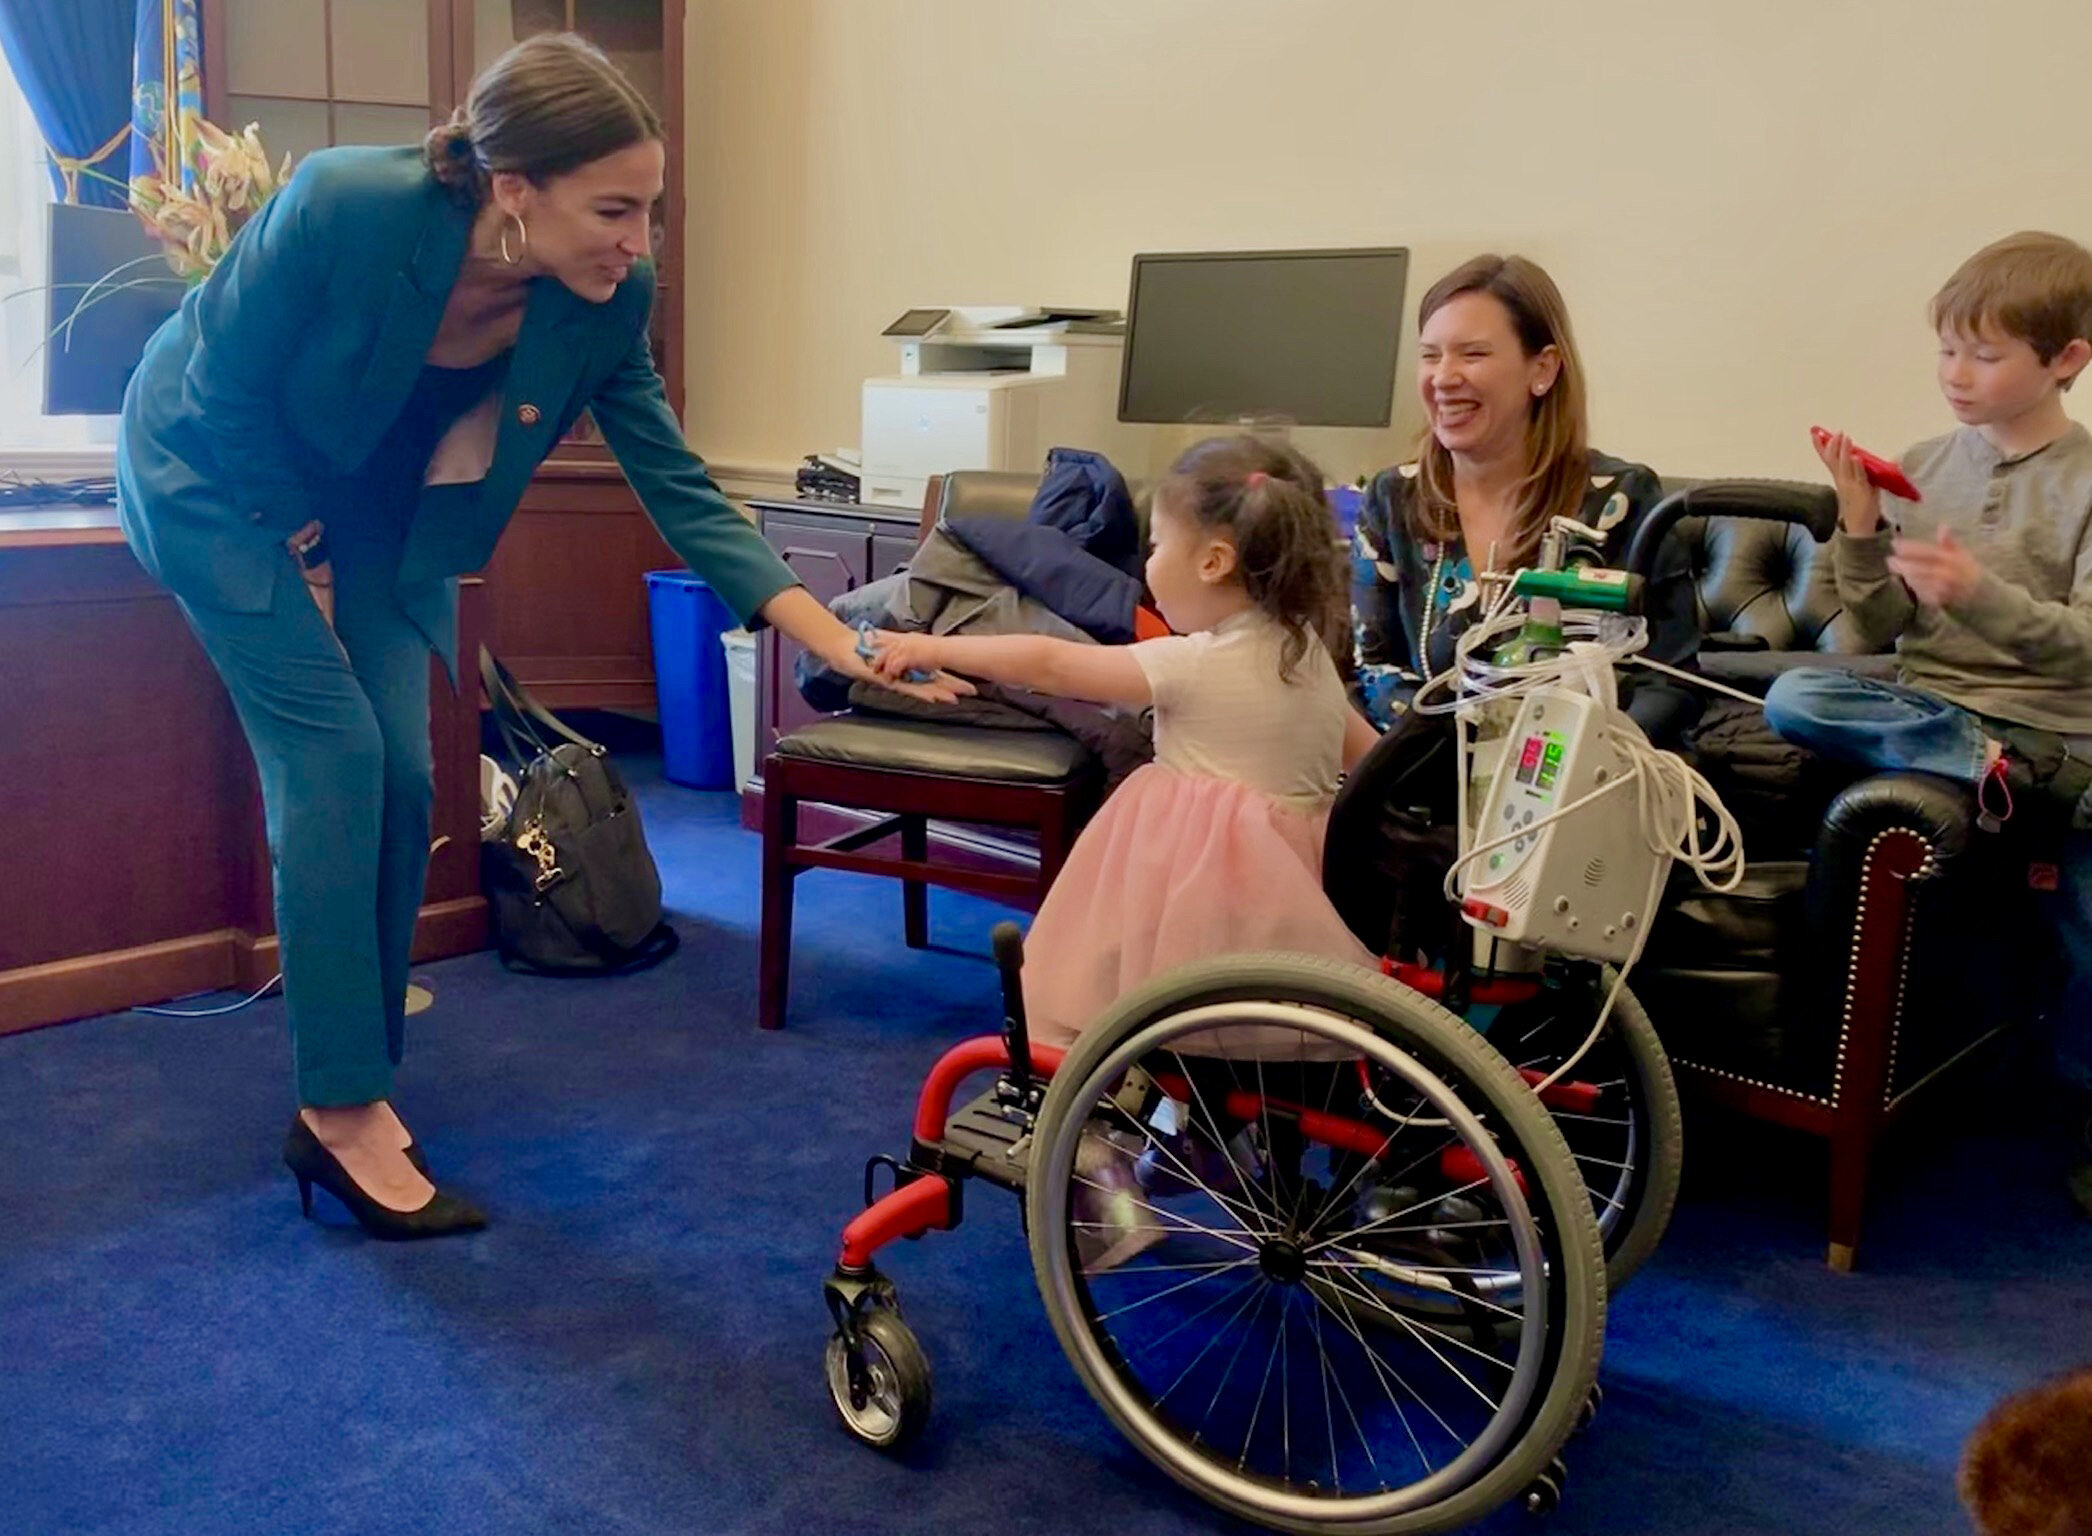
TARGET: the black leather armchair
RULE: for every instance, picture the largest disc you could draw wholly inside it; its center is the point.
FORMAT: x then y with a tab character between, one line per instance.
1870	947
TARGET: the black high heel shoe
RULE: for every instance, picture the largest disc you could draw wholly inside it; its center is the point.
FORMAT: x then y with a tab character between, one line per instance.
311	1163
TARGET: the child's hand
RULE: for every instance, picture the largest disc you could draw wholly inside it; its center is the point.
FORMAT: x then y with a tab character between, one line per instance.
1939	575
1859	503
841	652
895	655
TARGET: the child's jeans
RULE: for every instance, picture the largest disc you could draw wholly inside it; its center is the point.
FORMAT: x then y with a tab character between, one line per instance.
1854	719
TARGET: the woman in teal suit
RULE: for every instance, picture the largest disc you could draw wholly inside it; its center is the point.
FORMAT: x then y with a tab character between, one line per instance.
332	429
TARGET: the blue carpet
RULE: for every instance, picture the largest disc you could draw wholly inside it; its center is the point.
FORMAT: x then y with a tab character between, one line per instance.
635	1346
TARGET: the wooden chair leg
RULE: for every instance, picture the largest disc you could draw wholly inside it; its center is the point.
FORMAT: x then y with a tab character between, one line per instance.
915	895
780	835
1880	949
1851	1152
1053	842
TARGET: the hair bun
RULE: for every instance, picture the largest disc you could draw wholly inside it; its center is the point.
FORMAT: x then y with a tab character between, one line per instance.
451	156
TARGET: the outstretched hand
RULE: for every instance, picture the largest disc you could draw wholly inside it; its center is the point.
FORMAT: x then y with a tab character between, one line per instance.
896	655
1940	574
887	668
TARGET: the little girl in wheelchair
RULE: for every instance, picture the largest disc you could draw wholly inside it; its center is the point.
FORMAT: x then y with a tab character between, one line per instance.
1215	847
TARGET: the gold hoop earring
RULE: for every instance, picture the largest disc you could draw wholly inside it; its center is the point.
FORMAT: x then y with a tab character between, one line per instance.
522	240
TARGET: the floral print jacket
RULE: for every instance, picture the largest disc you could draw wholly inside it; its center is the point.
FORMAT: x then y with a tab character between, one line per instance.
1411	600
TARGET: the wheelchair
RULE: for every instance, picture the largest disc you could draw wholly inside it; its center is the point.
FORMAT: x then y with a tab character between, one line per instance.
1333	1249
1367	1286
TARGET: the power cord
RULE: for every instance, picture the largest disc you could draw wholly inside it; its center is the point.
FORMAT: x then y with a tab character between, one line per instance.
212	1013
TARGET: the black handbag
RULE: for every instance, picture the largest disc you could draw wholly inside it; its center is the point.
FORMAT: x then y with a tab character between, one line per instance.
571	888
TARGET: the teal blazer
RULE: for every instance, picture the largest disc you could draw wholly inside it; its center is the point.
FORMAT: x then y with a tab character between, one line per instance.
276	378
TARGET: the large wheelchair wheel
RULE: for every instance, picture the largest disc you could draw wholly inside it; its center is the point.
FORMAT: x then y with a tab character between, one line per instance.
1209	1265
1629	1143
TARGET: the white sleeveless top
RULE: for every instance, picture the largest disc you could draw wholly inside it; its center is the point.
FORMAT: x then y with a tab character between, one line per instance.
1223	709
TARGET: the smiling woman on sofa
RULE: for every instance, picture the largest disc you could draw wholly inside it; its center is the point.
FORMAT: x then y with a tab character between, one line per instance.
1505	451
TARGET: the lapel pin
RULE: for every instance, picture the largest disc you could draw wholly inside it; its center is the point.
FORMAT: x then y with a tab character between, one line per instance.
528	414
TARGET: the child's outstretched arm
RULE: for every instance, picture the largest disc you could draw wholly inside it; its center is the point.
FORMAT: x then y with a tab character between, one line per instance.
1101	674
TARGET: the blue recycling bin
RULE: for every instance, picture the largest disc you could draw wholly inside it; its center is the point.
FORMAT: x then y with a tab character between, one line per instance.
697	738
1344	502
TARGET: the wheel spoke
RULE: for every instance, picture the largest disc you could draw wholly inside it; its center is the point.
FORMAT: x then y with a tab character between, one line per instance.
1330	1378
1171	1290
1381	1371
1127	1271
1359	1292
1392	1178
1185	1223
1242	1210
1414	1274
1263	1295
1285	1303
1221	1139
1381	1222
1254	1287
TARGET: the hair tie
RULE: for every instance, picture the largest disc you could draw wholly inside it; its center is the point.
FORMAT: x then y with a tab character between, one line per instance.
460	145
1256	478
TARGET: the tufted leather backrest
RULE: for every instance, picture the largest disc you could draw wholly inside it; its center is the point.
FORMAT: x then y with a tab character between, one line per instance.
988	493
1009	493
1759	569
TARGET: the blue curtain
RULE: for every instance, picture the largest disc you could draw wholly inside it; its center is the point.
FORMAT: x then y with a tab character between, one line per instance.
167	82
72	59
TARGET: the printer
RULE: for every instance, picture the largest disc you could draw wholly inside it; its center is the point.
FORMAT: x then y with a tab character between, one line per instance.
994	387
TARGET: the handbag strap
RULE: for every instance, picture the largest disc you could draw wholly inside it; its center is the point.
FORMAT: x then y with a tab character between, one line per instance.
518	716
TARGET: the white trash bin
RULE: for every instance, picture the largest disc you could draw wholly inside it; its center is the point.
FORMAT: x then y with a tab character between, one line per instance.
739	646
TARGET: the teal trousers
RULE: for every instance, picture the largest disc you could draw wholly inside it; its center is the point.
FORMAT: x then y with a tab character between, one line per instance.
338	720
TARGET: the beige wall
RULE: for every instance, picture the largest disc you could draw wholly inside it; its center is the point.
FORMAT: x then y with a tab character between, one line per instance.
1747	205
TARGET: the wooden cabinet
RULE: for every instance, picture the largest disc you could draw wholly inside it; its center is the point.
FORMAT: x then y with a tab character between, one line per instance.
133	840
565	595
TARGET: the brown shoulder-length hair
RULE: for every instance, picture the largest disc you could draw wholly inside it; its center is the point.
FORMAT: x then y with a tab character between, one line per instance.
1557	433
1266	498
549	105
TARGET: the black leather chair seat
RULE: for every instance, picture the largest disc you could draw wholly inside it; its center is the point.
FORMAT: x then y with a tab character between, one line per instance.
948	751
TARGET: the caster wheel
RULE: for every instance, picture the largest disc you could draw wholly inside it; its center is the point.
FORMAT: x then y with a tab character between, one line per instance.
1589	1411
883	1394
1544	1497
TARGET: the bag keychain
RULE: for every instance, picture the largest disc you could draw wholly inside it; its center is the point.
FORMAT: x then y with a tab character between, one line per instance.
868	653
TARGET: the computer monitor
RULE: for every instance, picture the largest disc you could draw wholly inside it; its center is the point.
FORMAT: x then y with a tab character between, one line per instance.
1305	337
87	363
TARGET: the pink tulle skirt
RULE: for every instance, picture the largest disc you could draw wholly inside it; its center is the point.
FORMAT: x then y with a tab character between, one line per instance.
1178	867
